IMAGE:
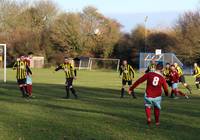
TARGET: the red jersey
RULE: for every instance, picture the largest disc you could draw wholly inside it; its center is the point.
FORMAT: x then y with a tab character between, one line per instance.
28	61
155	83
174	76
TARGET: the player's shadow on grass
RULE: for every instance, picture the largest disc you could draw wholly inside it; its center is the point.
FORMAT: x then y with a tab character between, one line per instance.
104	97
106	102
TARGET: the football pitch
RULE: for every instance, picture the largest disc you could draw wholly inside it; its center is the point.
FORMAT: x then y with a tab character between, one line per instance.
98	114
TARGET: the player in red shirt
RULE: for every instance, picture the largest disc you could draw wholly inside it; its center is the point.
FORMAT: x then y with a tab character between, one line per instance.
174	78
29	78
152	97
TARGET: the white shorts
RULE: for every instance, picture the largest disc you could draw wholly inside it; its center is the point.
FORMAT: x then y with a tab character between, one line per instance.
28	80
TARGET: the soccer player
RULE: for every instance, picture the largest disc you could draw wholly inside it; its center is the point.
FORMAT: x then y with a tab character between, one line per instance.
182	77
127	73
70	73
152	97
29	78
174	78
166	73
197	75
22	68
152	66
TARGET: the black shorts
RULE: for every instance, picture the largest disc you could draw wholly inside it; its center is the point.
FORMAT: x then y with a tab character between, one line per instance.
169	83
127	81
21	81
182	79
69	82
197	79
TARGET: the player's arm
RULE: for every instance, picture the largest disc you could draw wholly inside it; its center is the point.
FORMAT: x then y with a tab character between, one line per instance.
15	66
120	72
132	71
139	81
196	72
74	70
59	68
28	70
165	87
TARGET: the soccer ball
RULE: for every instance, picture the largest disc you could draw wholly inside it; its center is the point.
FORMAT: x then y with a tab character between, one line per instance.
97	32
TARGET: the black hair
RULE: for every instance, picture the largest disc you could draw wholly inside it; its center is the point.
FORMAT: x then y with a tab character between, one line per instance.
159	66
30	53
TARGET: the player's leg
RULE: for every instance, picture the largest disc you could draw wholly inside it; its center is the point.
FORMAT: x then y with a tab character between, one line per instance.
70	83
182	94
182	80
177	91
197	82
132	93
148	105
157	115
148	114
29	85
26	89
67	88
21	87
29	90
123	88
174	91
157	108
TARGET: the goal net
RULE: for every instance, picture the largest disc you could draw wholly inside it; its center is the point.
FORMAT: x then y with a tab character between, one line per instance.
104	63
146	58
3	62
99	63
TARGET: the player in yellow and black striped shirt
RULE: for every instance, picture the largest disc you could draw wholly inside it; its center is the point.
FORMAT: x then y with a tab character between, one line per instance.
197	75
166	73
22	69
182	77
127	73
70	74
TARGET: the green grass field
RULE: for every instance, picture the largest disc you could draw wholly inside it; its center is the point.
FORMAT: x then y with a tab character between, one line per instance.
98	114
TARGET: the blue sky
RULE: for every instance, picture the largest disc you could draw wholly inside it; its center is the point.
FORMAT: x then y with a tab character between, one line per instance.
161	13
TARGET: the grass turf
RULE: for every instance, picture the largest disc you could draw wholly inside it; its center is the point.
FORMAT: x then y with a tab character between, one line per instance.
98	114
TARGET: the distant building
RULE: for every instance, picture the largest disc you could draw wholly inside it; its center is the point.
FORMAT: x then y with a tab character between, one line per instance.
37	62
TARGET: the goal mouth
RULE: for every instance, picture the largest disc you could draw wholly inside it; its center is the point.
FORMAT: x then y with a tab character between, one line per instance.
99	63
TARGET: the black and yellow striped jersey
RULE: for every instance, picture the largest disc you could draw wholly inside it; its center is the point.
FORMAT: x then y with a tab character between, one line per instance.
69	70
179	70
22	69
166	72
127	72
151	68
197	71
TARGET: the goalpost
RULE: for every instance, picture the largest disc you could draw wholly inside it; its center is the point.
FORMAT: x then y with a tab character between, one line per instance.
104	63
88	63
3	59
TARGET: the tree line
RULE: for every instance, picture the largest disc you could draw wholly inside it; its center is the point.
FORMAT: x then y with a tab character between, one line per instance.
41	27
